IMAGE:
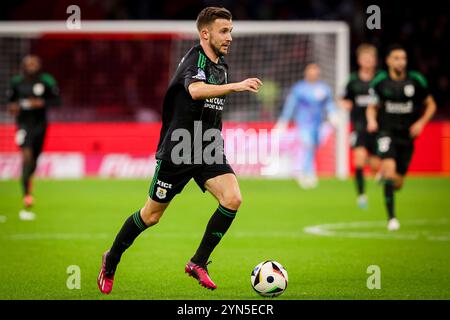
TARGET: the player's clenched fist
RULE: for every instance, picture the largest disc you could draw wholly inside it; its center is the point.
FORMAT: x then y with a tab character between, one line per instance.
250	84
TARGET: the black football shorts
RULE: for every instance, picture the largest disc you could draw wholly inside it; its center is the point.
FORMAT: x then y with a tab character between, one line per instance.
169	178
398	148
360	138
31	137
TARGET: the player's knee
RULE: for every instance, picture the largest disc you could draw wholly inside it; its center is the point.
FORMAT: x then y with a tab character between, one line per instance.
358	163
388	173
359	160
232	201
152	220
27	159
398	185
150	217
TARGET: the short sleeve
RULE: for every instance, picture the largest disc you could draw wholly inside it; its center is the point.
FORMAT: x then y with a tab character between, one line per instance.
51	96
348	92
50	84
421	84
193	68
12	94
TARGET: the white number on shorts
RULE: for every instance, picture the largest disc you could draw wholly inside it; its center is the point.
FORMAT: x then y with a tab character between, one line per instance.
20	137
384	144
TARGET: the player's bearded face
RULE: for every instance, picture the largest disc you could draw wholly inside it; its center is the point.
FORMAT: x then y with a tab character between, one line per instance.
220	36
31	65
397	60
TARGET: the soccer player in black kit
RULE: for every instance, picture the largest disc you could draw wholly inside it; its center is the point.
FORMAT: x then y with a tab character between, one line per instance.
192	106
30	95
356	99
404	107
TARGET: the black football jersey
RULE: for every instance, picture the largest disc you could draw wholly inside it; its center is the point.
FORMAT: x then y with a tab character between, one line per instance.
357	91
400	102
42	86
180	112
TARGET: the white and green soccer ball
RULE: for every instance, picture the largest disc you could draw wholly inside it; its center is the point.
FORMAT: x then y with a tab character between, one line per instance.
269	279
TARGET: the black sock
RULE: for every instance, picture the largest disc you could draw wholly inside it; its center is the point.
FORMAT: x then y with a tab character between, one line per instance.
28	168
132	227
359	178
389	197
215	230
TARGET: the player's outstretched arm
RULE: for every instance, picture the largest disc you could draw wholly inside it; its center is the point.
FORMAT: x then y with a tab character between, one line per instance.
287	112
201	91
31	103
430	110
371	116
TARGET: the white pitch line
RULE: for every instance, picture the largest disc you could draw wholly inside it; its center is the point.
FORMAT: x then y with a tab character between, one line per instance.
325	230
339	230
56	236
177	235
2	219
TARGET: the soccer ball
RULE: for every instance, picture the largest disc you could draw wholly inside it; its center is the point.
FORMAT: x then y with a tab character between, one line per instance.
269	279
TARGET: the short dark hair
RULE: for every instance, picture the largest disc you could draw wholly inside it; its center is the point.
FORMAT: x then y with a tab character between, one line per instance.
210	14
394	47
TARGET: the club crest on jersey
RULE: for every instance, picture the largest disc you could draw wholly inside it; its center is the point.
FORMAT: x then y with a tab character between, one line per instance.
38	89
161	193
212	80
408	90
200	75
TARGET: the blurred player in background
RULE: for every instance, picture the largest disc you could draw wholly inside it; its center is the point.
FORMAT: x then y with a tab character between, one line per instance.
196	94
404	107
356	99
30	95
309	102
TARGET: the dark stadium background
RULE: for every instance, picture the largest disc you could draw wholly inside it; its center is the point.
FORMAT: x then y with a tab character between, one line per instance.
422	27
112	90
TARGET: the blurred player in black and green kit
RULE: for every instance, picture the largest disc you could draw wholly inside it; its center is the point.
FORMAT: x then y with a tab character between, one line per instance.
29	96
356	99
192	107
404	106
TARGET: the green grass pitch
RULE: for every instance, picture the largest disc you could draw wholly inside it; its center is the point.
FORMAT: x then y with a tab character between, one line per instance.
77	221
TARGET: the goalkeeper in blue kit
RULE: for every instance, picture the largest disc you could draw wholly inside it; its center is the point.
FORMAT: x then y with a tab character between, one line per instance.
309	103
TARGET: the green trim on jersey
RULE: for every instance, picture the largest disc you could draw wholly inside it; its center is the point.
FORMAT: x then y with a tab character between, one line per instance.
201	63
155	178
419	77
382	75
377	72
16	79
48	79
353	76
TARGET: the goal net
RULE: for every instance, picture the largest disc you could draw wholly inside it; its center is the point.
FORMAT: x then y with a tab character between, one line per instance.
117	72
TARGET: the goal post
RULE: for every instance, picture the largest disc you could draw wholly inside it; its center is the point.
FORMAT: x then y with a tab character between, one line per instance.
275	51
